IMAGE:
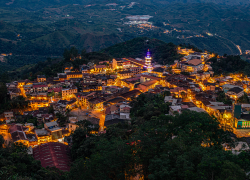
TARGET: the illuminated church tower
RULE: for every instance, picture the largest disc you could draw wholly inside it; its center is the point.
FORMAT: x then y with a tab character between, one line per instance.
148	60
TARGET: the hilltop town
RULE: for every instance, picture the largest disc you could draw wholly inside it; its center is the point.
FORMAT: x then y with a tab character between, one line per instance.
101	93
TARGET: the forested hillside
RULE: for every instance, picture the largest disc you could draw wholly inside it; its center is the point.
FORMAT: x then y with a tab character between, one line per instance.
35	30
163	53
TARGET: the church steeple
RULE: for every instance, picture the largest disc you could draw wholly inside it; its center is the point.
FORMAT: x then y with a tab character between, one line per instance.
148	62
148	59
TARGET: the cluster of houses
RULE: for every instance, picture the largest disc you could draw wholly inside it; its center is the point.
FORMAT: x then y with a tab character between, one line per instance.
109	87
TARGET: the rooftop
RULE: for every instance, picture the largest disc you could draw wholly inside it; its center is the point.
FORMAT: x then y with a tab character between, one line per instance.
236	90
53	154
18	135
194	62
149	83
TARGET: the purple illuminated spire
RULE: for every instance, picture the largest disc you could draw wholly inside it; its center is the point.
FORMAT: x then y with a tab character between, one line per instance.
148	54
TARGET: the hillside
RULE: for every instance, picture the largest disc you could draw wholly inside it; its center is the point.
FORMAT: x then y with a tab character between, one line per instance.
52	26
163	53
37	4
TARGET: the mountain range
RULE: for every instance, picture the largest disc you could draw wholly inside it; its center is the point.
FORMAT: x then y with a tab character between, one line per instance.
45	28
36	4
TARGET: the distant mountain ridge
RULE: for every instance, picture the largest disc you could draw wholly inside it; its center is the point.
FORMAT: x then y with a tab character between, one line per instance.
38	4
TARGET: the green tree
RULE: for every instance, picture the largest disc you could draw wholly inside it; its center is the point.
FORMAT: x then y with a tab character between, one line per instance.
62	120
110	159
66	55
73	52
52	94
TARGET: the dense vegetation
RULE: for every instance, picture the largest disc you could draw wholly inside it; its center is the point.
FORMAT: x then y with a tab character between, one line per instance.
17	164
51	67
230	64
163	53
157	146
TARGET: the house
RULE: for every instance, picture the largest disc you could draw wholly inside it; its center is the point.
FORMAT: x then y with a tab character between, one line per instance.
159	71
235	93
111	116
209	86
117	64
136	70
67	104
243	122
246	106
18	135
39	96
135	62
124	108
226	87
239	147
124	115
41	78
125	111
32	139
73	75
99	68
202	76
20	83
173	110
72	124
145	78
113	109
69	92
8	115
84	68
170	99
131	94
113	119
28	88
40	88
196	109
14	92
95	103
144	87
179	92
54	129
34	104
42	135
192	66
125	74
61	76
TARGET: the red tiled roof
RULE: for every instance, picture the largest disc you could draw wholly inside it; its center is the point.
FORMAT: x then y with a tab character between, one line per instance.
40	85
194	62
184	106
133	79
14	128
177	89
53	154
136	61
126	108
108	111
55	89
149	83
151	77
100	66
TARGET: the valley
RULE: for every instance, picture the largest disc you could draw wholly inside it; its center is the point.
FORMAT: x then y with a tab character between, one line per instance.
48	28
